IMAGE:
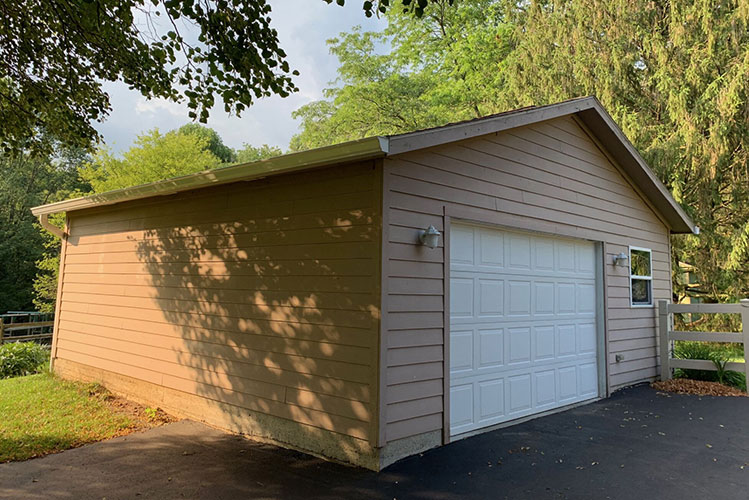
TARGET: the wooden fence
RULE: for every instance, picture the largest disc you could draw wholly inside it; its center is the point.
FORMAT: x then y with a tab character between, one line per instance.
668	335
26	326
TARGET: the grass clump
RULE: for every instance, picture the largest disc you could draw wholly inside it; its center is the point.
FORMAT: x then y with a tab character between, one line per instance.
719	354
41	414
22	358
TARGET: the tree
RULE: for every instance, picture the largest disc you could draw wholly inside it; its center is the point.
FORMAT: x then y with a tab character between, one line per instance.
250	153
675	76
27	181
56	54
153	157
443	67
214	143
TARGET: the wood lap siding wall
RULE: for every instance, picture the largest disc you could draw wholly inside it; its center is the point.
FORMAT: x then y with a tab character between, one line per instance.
264	295
550	177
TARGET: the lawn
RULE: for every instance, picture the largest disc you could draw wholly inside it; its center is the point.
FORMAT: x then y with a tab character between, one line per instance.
41	414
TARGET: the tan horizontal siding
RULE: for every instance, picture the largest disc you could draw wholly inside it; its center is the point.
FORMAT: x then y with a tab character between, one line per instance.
267	298
262	295
273	192
227	224
550	177
305	284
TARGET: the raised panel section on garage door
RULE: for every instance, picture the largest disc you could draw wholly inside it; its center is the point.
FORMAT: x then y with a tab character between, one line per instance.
522	325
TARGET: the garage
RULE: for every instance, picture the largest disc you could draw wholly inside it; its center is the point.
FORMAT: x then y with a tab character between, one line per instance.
523	325
374	299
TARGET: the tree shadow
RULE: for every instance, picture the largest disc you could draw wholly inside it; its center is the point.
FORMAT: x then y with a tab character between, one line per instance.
263	299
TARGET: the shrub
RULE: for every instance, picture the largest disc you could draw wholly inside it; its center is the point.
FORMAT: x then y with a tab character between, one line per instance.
718	353
22	358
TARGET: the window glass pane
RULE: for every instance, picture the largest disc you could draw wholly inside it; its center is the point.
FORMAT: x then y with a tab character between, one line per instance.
640	262
641	292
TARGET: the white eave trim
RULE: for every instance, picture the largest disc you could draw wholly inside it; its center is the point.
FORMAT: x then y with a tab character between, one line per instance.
363	149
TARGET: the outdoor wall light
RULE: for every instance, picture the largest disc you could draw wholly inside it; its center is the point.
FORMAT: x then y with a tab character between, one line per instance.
430	238
621	259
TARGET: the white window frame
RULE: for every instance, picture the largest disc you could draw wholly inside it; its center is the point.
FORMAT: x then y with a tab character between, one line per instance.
637	277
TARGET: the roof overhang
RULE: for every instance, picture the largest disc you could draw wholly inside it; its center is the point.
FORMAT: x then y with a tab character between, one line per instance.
587	109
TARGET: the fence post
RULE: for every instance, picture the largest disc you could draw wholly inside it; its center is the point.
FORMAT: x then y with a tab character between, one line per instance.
745	330
663	328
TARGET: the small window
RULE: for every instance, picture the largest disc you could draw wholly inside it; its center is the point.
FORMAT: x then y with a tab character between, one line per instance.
641	276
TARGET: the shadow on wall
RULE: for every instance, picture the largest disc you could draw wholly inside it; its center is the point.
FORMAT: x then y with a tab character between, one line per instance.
271	309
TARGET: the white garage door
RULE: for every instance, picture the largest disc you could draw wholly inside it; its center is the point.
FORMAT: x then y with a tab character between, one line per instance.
522	325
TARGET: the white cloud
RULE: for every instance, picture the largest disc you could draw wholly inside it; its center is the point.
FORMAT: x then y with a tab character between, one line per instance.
303	27
152	106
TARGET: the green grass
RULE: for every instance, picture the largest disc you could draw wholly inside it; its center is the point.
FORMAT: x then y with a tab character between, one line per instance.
41	414
709	351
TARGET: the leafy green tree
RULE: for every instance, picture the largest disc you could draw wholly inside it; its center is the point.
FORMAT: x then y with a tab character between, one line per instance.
48	268
443	67
251	153
56	55
27	181
214	143
154	157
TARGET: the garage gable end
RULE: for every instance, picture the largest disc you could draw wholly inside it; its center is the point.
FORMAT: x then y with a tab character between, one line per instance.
538	193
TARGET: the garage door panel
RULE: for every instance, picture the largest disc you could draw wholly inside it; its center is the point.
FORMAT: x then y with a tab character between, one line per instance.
523	333
586	258
544	343
566	294
567	379
543	254
491	348
461	407
519	393
519	249
461	245
586	338
586	298
543	303
567	341
461	351
491	400
491	250
461	297
519	345
566	260
491	295
546	388
588	379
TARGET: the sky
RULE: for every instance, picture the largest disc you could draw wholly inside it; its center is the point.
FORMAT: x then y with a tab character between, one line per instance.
303	27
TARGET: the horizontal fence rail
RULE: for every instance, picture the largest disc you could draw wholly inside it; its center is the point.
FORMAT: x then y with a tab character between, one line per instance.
26	327
667	335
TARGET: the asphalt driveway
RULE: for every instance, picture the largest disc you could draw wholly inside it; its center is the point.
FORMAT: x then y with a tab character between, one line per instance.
636	445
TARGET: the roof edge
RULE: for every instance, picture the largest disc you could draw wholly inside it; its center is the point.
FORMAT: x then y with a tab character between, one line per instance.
421	139
362	149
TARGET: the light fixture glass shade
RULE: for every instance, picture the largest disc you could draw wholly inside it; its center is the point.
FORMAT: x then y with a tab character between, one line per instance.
430	238
621	259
